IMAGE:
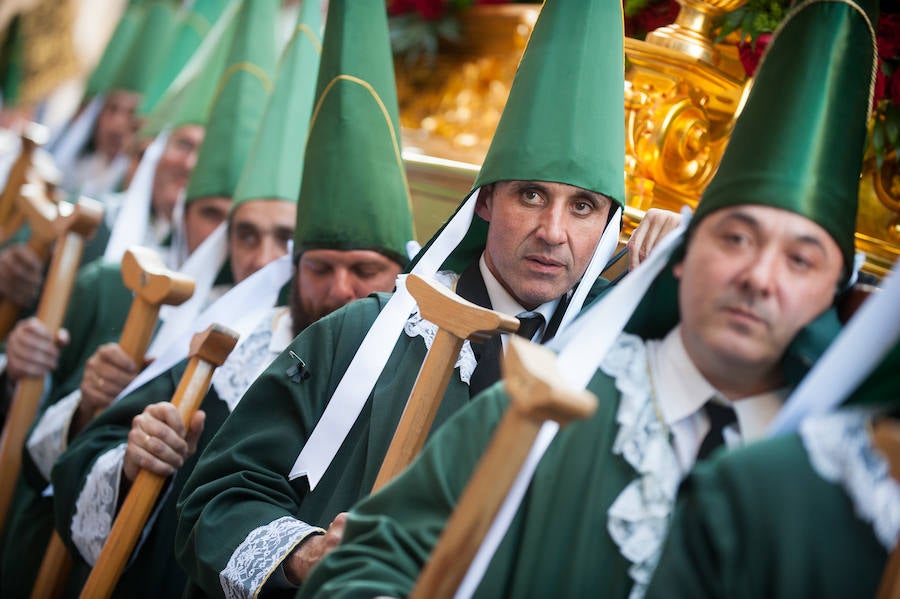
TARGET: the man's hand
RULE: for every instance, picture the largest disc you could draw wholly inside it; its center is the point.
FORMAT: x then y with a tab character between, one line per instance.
655	225
313	549
21	275
31	350
106	373
157	441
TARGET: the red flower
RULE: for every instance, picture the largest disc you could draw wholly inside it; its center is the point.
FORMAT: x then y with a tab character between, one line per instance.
430	10
657	15
750	55
888	36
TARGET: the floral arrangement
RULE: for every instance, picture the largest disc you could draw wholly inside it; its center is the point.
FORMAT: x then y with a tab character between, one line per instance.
886	101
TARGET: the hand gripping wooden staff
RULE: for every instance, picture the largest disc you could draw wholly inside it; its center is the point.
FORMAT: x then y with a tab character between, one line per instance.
457	320
43	217
886	437
10	217
75	227
208	350
536	394
144	273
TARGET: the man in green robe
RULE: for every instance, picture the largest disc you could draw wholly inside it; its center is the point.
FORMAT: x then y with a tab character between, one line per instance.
140	431
90	370
548	201
814	512
771	243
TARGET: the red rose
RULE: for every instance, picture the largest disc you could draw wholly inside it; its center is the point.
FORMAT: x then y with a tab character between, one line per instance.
880	86
399	7
751	55
657	15
431	10
888	36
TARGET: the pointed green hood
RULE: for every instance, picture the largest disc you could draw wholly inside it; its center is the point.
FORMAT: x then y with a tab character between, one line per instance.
116	51
192	27
189	98
239	99
147	54
354	193
798	144
564	120
274	167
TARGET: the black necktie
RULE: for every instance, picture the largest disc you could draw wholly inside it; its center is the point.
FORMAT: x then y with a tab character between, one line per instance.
487	372
720	416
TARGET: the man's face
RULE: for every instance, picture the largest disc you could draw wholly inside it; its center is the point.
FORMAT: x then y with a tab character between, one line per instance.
541	236
117	123
752	277
201	217
259	233
174	168
328	279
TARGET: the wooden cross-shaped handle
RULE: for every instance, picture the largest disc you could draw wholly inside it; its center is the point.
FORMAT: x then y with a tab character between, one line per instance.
10	217
536	394
45	221
209	350
457	320
80	223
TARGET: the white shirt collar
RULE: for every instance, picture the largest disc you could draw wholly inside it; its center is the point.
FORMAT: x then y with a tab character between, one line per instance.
682	391
502	301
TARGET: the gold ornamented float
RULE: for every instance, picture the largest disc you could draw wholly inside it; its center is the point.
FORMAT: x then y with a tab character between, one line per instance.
683	93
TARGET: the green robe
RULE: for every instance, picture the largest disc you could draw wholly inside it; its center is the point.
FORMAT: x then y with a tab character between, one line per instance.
762	522
97	311
154	561
557	545
153	571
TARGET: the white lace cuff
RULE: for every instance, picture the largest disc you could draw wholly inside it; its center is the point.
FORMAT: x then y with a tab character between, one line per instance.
639	518
49	438
841	452
260	554
95	508
416	326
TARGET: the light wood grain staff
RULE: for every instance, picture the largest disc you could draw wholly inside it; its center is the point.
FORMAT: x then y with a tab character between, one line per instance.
42	215
457	320
209	349
144	273
75	228
24	167
536	394
886	438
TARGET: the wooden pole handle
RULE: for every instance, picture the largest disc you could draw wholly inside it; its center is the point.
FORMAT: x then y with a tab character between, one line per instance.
457	320
51	310
44	220
536	394
54	571
209	350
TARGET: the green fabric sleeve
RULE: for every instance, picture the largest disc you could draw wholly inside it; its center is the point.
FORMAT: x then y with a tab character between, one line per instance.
390	535
760	522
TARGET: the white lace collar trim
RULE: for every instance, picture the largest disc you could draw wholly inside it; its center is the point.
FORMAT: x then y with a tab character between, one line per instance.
841	452
639	518
416	326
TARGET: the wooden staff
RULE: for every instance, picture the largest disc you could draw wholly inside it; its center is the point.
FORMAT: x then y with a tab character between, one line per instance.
144	273
10	217
457	320
208	350
80	224
536	394
886	438
42	215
